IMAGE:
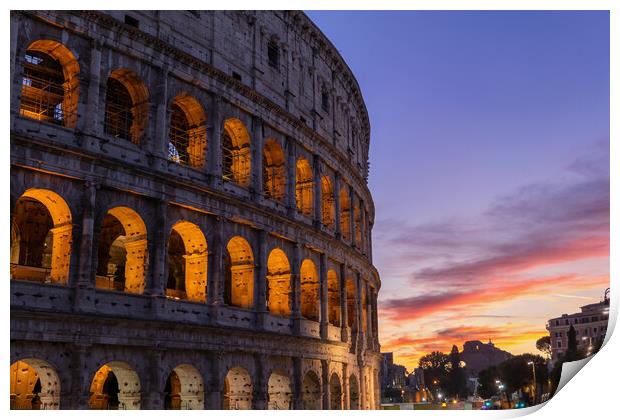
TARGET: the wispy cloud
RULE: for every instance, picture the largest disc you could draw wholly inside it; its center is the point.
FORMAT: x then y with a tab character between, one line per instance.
532	242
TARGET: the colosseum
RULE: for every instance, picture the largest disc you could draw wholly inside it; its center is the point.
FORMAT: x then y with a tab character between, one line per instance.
190	216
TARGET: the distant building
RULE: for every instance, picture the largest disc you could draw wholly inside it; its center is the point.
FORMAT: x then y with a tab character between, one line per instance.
590	326
478	356
393	379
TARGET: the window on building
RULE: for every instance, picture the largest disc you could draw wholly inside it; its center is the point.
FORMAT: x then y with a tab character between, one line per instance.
50	84
188	133
126	107
325	100
559	344
273	54
132	21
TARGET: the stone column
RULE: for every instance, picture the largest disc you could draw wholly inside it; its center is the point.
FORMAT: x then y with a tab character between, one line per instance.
358	306
352	201
91	121
260	279
323	296
325	385
213	392
337	204
161	112
298	403
296	288
152	396
344	315
375	321
369	324
84	287
257	156
158	247
215	266
214	143
346	403
78	397
318	209
260	394
362	244
362	384
291	170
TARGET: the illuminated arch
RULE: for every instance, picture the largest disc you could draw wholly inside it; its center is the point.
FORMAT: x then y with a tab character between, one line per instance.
309	290
345	214
274	171
184	389
237	390
236	154
188	132
35	385
335	392
278	283
354	393
304	186
122	251
50	84
115	386
279	392
239	271
311	391
126	106
187	263
42	237
364	310
328	208
351	306
333	298
357	221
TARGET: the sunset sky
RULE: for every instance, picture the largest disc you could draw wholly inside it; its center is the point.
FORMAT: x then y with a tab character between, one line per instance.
489	168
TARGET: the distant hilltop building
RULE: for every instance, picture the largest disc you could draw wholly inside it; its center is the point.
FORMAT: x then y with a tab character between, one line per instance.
590	327
479	356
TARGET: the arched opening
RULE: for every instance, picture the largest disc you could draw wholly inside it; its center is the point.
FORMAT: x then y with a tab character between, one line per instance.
304	187
345	214
351	307
335	392
354	393
274	173
41	237
328	209
239	273
280	395
184	389
122	251
311	392
309	291
364	310
187	263
115	386
237	390
333	298
357	214
278	283
126	106
236	154
188	132
34	385
50	85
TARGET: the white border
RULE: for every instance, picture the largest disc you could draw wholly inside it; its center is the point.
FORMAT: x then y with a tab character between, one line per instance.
591	394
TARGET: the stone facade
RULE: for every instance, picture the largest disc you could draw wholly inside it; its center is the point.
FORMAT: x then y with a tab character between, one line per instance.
191	222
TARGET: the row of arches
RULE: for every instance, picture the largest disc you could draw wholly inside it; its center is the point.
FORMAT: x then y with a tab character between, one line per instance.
41	243
36	385
50	91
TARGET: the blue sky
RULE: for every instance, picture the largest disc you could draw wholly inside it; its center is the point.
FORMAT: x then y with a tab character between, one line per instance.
469	109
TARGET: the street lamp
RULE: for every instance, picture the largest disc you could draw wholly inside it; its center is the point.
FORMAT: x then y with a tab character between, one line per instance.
534	378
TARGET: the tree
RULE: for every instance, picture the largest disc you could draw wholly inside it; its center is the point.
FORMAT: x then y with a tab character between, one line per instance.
435	368
572	352
456	385
543	344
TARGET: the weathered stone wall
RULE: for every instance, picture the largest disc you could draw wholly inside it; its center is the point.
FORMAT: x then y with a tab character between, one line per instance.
309	103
